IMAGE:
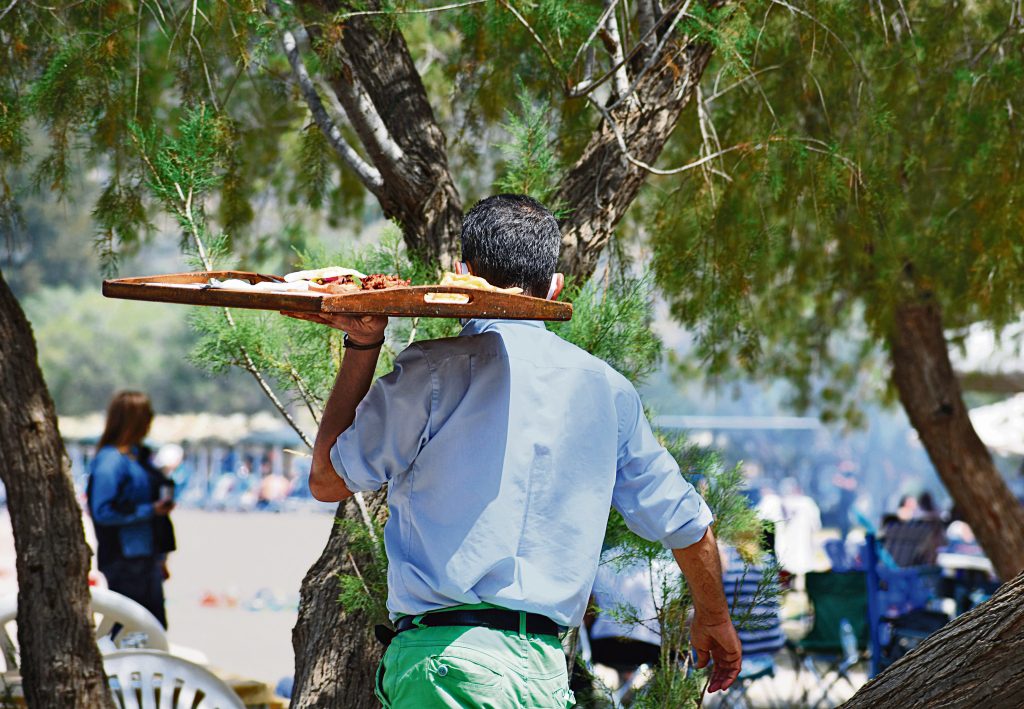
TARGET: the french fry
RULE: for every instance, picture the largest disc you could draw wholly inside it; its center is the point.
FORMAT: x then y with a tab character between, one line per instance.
466	280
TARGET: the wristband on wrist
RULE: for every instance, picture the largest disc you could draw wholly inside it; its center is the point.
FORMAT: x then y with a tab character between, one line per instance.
350	345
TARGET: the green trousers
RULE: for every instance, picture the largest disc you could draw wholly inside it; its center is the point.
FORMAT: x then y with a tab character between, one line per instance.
479	668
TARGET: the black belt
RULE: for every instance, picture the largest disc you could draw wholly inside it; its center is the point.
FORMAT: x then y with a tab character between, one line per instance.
495	618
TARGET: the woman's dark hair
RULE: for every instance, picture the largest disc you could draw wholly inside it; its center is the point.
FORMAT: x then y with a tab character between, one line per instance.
128	418
925	502
512	240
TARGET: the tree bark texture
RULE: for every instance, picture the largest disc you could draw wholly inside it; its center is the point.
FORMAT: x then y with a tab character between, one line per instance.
930	393
60	663
972	662
336	653
377	83
602	184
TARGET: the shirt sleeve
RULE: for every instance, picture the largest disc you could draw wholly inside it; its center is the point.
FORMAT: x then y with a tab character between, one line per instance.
105	504
391	425
653	497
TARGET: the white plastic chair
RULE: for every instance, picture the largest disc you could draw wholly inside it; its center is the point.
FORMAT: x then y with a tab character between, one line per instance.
138	626
148	679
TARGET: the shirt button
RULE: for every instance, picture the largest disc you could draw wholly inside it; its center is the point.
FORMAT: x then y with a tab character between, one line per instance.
442	670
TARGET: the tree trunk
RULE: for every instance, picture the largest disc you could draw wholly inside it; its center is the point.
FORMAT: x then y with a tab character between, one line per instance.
930	393
972	662
60	663
336	653
376	81
603	183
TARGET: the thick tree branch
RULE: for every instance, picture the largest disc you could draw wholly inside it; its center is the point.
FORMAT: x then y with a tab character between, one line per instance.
621	152
368	175
8	9
376	82
60	663
613	42
647	16
972	662
363	115
532	32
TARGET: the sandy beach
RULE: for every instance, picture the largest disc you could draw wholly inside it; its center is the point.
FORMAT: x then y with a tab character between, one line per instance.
248	568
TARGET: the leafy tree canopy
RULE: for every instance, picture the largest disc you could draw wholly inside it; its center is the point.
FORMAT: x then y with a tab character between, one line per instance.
869	155
106	79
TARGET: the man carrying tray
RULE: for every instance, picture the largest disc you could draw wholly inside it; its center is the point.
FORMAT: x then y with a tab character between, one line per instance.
503	449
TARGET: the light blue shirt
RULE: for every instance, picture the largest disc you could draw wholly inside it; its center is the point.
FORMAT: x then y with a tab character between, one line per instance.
505	448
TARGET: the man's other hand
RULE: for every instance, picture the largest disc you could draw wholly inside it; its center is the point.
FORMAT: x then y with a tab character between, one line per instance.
716	640
361	329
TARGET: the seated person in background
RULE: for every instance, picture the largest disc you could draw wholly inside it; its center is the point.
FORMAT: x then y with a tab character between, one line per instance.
624	595
273	488
755	611
913	539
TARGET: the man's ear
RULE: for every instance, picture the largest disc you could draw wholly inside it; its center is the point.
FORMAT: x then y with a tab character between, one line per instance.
462	267
557	284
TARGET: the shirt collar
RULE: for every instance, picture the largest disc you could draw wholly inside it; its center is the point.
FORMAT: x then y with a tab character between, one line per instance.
479	325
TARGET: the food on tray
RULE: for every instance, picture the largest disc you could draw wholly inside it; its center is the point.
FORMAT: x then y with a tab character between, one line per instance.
324	275
333	280
262	286
335	285
234	283
380	281
457	298
466	280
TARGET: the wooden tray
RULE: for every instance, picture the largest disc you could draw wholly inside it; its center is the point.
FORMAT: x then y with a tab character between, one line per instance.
406	301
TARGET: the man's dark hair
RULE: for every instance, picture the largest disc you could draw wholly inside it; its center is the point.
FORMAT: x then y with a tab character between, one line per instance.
512	240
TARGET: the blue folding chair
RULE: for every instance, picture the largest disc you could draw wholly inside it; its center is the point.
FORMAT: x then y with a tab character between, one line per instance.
899	617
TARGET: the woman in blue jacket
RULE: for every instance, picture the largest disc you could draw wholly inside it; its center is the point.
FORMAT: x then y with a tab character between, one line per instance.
124	506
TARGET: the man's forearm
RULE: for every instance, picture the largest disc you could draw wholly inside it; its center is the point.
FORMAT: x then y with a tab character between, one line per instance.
702	567
354	379
712	634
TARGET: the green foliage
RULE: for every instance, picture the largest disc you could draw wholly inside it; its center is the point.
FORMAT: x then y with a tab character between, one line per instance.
313	154
119	215
182	170
613	322
531	166
877	160
12	129
99	75
302	357
366	588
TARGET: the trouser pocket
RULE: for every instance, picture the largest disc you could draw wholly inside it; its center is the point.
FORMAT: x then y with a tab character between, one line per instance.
453	669
378	686
551	693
